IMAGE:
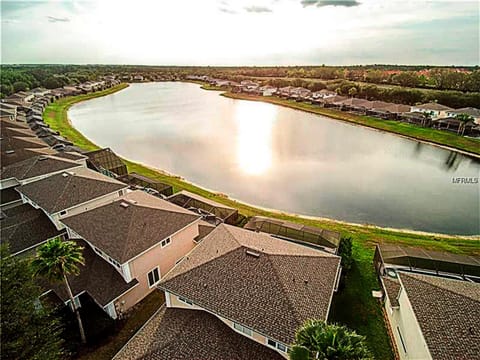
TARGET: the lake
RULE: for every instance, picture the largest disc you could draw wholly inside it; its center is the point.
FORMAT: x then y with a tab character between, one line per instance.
285	159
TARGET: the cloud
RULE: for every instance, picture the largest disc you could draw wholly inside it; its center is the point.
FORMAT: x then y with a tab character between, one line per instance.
227	11
320	3
258	9
53	19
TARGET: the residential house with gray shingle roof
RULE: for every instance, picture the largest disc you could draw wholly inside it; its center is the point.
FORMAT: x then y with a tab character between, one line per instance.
261	287
141	236
34	168
432	302
71	192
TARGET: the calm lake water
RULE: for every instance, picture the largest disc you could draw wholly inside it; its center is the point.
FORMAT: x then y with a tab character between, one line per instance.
285	159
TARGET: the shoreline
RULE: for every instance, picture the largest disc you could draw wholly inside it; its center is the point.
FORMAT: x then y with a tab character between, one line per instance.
244	208
304	216
288	104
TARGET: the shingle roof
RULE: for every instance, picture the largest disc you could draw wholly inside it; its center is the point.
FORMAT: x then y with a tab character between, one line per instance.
392	288
433	106
468	110
35	166
70	155
177	334
9	195
448	312
24	227
97	277
9	157
21	142
272	291
125	232
65	190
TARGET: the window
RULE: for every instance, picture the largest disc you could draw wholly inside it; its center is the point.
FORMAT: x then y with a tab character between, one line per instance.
165	242
153	277
401	340
184	300
242	329
277	345
272	343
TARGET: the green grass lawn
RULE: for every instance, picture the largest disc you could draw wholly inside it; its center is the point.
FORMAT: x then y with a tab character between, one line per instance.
354	305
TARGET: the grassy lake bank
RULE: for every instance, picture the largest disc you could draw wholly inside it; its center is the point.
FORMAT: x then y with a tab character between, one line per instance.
354	305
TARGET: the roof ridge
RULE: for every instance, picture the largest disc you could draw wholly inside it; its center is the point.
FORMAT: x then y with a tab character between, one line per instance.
285	291
195	267
64	189
128	234
32	164
231	234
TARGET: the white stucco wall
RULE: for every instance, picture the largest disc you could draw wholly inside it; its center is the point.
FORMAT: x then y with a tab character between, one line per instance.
403	321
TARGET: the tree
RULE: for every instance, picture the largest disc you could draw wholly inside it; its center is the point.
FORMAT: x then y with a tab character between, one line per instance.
345	251
20	86
352	91
30	330
55	260
317	340
465	119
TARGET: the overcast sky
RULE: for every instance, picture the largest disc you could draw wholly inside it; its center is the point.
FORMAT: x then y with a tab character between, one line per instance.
241	32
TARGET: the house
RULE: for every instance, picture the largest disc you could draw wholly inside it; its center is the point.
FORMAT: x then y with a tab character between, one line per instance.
71	192
11	156
178	333
261	287
432	302
33	169
473	112
267	90
453	124
139	235
434	109
386	110
355	105
307	235
23	228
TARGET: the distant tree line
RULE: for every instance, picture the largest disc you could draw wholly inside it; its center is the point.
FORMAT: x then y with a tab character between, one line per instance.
369	82
460	79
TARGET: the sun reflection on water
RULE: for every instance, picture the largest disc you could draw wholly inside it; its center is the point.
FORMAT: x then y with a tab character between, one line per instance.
254	136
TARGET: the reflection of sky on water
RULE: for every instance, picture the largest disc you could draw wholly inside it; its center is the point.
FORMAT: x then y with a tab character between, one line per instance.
285	159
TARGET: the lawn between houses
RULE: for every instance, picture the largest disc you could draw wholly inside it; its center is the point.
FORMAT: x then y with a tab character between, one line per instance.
353	305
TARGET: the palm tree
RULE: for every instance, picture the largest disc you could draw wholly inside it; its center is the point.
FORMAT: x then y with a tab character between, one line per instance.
427	116
465	119
55	260
317	340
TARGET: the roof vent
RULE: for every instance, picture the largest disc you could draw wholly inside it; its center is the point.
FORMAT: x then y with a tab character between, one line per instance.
305	281
252	253
65	174
124	204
